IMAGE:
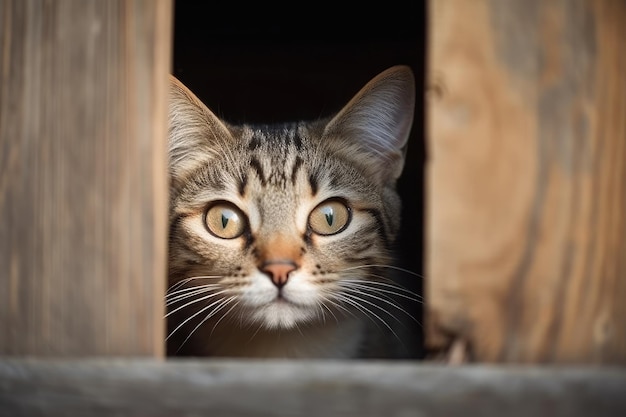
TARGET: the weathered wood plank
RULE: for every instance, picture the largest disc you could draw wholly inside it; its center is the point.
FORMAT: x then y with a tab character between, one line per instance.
269	388
527	179
83	190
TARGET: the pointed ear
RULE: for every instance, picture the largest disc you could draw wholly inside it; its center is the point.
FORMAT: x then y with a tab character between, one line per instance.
378	120
195	133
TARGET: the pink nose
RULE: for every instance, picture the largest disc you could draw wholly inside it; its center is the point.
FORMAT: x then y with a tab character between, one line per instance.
279	271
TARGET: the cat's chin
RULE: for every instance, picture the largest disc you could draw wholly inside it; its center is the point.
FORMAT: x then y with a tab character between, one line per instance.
281	314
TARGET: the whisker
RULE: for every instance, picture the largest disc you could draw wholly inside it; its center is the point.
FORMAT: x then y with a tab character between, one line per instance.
351	299
328	300
188	292
390	282
211	314
225	314
256	332
323	308
196	301
193	296
320	314
397	268
386	300
338	306
192	316
186	280
353	295
299	330
410	295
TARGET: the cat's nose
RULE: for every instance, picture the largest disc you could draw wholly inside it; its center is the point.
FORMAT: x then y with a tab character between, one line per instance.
279	271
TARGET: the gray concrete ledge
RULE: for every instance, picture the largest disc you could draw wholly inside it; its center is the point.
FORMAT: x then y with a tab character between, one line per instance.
138	387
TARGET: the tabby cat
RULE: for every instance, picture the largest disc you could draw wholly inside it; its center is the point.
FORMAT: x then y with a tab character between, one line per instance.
281	236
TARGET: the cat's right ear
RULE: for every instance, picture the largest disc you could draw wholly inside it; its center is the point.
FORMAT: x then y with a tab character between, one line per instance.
195	133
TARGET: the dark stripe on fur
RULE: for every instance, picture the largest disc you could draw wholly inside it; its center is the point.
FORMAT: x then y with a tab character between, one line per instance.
297	140
306	238
366	245
249	241
296	167
174	225
242	184
313	183
256	166
255	142
381	230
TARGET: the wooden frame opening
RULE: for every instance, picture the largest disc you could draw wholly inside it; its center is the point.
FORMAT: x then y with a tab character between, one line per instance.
264	68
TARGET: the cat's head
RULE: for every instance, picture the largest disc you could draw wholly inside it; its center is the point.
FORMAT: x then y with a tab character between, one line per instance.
278	225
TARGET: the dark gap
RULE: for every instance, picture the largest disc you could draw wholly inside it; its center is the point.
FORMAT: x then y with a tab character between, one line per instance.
261	65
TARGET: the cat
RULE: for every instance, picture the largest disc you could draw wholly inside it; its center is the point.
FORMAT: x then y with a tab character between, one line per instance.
281	236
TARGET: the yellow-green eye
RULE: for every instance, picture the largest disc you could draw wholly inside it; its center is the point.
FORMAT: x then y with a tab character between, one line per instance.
330	217
225	220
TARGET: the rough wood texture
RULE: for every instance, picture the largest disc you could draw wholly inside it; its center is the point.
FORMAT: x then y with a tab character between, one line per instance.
83	192
527	179
282	388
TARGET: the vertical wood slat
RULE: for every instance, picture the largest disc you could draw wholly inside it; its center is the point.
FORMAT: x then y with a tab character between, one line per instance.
83	187
526	212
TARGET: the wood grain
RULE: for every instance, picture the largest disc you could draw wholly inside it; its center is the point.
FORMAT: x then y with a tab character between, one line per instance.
83	192
526	211
304	388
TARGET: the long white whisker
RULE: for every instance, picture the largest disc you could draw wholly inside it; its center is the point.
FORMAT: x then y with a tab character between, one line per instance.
203	309
186	280
386	281
211	314
356	297
195	301
351	299
397	268
369	284
323	308
320	314
225	314
256	332
385	299
189	292
338	306
328	300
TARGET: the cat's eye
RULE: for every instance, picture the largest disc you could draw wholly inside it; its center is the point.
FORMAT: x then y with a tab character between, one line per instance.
330	217
225	220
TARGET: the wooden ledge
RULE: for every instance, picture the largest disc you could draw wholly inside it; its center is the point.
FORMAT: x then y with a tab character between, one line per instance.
142	387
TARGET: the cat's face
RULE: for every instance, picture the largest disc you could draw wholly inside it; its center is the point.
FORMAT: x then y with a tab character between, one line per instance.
279	226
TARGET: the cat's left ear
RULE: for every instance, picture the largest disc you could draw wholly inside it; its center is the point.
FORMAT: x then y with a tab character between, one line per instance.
379	118
195	134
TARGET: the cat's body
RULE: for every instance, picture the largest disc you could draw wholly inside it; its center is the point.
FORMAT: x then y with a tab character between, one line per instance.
280	236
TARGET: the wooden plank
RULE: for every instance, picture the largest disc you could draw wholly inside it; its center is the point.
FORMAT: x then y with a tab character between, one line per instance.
303	388
527	179
83	189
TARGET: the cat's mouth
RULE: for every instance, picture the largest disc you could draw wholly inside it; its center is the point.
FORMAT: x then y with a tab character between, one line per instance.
282	312
277	300
282	300
296	299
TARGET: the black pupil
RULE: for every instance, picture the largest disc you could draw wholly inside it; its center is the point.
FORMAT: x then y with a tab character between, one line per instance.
329	215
